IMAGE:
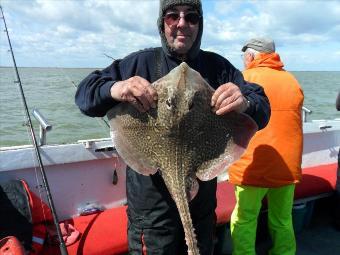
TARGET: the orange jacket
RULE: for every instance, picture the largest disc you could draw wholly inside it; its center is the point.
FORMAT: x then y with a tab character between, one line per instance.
274	154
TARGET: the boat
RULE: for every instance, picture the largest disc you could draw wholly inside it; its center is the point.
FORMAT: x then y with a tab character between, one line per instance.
87	183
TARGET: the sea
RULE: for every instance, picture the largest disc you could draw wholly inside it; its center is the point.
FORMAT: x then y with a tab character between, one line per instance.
51	91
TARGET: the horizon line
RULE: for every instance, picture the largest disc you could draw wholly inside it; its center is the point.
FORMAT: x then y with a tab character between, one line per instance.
105	67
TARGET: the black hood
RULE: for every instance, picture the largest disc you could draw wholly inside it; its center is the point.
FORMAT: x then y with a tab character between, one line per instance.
166	4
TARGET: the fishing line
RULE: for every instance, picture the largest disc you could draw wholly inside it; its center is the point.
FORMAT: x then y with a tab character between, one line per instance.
62	245
75	86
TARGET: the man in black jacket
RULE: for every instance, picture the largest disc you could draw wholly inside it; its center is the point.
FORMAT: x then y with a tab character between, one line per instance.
154	222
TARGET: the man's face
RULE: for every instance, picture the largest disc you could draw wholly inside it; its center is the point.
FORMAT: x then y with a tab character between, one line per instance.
181	24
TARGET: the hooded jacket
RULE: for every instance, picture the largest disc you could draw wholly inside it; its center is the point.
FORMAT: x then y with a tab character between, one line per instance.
147	196
273	157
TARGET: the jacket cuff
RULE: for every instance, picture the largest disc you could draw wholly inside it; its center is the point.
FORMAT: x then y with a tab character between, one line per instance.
250	106
105	91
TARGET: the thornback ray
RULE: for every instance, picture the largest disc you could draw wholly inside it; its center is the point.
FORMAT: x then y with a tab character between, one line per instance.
182	138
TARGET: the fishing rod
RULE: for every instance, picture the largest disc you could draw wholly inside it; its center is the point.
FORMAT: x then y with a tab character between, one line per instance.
62	245
108	56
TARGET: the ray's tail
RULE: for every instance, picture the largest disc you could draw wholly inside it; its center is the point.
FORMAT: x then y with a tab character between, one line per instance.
180	197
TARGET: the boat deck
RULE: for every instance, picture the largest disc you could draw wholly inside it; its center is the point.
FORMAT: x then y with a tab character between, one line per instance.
319	236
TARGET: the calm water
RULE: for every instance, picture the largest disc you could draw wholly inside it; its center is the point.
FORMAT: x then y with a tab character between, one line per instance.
51	90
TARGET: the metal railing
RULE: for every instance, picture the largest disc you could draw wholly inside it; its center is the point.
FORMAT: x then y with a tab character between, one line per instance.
305	112
44	126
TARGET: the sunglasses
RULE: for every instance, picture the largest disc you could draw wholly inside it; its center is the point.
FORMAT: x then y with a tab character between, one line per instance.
172	18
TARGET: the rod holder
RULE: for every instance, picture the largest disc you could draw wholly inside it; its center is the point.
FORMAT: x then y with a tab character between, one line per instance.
44	126
305	111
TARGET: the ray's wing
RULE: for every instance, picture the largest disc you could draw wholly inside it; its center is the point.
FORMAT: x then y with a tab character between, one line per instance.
129	132
228	139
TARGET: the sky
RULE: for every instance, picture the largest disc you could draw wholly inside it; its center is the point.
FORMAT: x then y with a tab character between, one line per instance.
70	33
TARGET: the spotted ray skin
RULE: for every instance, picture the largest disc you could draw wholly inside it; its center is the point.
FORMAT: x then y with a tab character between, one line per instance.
182	138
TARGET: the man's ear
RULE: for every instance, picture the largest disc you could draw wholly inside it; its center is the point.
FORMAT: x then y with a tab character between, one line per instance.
249	56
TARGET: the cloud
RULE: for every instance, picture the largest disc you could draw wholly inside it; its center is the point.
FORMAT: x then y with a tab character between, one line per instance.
302	17
78	33
290	17
79	27
299	28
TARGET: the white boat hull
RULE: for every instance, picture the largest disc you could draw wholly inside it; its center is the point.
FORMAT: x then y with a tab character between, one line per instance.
81	175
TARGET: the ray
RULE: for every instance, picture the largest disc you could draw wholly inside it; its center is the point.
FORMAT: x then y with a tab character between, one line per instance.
182	138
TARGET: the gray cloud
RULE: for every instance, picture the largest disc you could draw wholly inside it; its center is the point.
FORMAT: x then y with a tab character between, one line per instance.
77	33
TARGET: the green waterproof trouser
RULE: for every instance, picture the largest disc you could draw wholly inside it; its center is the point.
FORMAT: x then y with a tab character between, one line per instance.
244	219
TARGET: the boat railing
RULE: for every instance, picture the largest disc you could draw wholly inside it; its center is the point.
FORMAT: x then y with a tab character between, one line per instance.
44	126
305	112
